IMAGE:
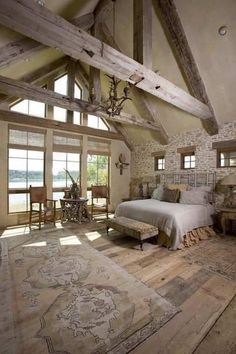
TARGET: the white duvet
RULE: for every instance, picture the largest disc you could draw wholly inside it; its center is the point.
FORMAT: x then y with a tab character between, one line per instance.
173	218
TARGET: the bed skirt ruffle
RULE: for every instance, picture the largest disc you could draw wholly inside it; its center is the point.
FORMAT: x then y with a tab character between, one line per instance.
191	238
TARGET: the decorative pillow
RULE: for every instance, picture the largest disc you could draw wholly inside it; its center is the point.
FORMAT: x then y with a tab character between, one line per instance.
158	192
193	197
171	195
207	189
181	187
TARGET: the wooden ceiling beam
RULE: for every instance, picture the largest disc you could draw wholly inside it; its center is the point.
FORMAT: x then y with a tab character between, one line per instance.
169	17
95	91
142	32
15	117
140	98
24	48
33	92
38	76
37	22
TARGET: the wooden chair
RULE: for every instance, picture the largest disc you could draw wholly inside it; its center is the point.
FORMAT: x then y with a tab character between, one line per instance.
38	195
99	192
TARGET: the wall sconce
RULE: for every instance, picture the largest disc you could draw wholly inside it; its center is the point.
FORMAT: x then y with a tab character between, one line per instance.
121	164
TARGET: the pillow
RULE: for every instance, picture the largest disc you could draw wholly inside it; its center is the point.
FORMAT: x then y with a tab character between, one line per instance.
207	189
158	192
180	187
170	195
193	197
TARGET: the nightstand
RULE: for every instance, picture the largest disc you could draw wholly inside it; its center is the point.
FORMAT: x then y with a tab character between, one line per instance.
227	214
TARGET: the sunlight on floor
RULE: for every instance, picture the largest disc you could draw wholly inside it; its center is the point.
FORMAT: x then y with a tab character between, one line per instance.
36	244
92	236
14	231
70	240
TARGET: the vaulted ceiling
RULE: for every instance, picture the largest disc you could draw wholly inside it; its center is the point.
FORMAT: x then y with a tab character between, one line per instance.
215	56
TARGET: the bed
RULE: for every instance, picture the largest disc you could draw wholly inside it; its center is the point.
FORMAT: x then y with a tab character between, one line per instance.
177	222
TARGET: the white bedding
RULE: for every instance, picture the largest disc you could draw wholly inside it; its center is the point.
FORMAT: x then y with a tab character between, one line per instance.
173	218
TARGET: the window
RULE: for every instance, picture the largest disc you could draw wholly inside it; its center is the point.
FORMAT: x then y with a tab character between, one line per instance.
159	163
226	158
30	107
187	157
188	160
97	163
60	86
96	122
97	170
66	156
25	166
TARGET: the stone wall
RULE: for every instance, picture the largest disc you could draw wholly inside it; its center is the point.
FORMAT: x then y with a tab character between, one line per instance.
142	166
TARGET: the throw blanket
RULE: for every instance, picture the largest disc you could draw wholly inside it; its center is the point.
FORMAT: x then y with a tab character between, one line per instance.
173	218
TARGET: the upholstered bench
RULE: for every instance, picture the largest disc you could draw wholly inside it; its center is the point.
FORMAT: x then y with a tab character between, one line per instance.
137	229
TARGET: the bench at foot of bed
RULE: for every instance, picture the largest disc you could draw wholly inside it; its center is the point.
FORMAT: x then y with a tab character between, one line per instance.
137	229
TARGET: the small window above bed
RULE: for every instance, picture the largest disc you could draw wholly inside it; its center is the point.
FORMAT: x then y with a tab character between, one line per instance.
226	153
159	160
187	157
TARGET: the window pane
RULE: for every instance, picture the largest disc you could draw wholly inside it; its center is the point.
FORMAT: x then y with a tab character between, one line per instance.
92	121
37	109
60	85
187	165
35	172
77	118
232	162
17	202
77	92
35	154
187	158
59	174
17	153
73	168
92	158
21	107
61	156
101	124
17	173
193	158
102	176
59	114
73	157
192	164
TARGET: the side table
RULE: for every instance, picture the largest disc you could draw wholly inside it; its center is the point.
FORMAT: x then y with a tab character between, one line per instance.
227	214
75	209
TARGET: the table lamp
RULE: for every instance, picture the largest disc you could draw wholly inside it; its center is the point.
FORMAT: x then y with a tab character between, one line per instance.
229	181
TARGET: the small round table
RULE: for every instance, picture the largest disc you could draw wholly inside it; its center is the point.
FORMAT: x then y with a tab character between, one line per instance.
75	209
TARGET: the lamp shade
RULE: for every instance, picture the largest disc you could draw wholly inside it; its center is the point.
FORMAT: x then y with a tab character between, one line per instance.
229	180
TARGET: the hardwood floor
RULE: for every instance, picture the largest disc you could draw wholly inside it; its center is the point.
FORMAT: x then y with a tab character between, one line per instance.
201	293
197	285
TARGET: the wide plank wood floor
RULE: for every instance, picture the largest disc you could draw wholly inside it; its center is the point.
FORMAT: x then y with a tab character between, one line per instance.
206	323
202	294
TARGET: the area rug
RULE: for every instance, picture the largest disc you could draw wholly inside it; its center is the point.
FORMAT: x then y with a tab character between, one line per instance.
60	295
217	255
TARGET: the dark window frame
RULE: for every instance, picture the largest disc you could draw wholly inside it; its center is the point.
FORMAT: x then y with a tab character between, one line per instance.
156	163
224	150
188	154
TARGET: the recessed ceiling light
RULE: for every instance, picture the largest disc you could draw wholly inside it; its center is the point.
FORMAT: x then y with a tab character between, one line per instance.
222	30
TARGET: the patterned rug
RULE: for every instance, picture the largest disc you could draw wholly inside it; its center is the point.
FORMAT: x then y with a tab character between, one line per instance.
218	255
60	295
